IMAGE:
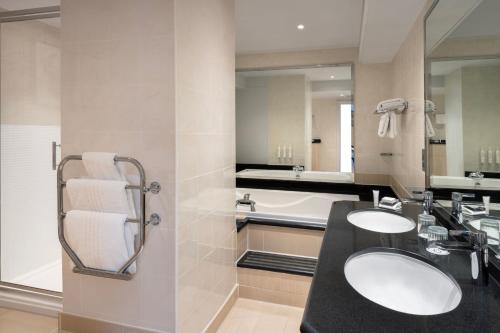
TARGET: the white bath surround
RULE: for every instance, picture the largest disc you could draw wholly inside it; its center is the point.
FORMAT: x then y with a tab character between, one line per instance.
334	177
290	205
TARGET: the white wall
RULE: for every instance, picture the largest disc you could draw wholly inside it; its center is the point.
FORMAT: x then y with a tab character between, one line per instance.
454	124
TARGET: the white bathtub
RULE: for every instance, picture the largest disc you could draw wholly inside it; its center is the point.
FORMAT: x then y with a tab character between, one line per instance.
291	206
334	177
465	182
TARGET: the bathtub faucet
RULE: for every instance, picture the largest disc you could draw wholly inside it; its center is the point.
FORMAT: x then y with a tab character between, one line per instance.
247	202
298	169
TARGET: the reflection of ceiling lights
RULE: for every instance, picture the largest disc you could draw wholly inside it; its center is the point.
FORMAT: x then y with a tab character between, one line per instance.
332	77
300	27
341	95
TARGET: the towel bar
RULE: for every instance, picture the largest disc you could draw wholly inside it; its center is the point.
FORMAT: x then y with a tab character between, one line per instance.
154	219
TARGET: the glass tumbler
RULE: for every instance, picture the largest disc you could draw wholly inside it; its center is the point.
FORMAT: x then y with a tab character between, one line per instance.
436	233
424	222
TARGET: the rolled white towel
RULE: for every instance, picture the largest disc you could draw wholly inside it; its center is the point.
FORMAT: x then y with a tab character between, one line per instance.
430	106
100	240
392	131
429	129
102	165
383	125
395	104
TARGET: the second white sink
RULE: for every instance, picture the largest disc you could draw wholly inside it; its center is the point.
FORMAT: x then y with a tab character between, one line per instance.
402	281
380	221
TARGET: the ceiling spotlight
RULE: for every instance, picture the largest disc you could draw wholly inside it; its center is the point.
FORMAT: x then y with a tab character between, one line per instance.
341	95
300	27
332	77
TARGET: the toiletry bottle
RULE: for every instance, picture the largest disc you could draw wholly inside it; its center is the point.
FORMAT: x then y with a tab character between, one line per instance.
490	155
497	155
279	152
376	194
482	156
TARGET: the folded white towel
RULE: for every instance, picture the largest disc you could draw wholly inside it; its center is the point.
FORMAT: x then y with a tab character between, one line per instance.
100	240
429	129
395	104
101	165
107	196
392	131
383	125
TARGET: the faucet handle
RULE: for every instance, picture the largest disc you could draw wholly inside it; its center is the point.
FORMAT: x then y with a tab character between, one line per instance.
246	196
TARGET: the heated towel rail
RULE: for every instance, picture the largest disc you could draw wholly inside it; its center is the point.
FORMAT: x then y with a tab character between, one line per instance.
122	273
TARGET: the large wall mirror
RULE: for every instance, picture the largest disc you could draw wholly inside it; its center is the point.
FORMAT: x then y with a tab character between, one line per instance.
295	123
463	94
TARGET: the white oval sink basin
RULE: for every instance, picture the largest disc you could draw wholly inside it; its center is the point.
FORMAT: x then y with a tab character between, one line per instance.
400	281
380	221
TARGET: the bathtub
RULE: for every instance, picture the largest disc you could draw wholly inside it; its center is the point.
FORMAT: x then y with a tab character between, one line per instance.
290	206
320	176
465	182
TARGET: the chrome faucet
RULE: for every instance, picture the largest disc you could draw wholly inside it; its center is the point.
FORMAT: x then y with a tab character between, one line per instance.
477	246
476	176
298	169
246	202
456	206
427	201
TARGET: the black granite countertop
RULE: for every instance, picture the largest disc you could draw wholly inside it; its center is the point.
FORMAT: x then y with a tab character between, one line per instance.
334	306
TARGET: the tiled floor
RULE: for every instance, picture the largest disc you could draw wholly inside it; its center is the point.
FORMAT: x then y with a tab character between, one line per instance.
249	316
12	321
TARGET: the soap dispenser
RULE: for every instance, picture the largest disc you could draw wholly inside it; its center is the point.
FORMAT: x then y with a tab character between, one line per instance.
490	155
482	155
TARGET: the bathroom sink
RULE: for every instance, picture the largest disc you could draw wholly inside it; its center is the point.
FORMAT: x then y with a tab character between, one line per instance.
380	221
402	281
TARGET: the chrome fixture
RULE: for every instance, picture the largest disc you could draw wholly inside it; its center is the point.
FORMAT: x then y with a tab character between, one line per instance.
428	202
154	219
477	176
456	207
246	202
298	169
55	145
477	246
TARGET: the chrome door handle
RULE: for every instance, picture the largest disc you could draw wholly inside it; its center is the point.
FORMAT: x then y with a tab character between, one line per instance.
54	155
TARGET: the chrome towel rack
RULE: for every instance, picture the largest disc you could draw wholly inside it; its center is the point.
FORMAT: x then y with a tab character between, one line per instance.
154	219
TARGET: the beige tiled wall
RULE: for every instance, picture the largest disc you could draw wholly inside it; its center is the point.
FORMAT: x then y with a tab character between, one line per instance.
118	96
274	287
242	245
205	153
290	241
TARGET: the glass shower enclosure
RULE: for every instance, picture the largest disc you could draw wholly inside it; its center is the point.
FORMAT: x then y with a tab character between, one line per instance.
30	75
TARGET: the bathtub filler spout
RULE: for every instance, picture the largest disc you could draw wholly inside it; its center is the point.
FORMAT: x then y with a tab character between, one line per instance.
247	202
298	169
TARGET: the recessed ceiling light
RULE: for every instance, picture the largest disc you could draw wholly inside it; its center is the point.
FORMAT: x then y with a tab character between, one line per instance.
300	27
341	95
332	76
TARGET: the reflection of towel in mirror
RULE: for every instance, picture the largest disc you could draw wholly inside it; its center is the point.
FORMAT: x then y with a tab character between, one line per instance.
387	126
395	104
430	106
383	125
429	129
392	132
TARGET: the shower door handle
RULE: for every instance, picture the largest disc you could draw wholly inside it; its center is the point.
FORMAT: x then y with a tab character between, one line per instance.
54	155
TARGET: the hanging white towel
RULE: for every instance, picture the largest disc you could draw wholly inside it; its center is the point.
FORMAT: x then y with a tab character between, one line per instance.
392	131
101	165
100	240
430	106
383	125
429	129
107	196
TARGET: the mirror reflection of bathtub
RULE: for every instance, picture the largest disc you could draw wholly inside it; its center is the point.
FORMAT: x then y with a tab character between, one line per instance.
334	177
290	206
464	182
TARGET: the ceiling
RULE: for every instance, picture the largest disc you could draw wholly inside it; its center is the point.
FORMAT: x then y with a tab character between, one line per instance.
377	27
271	25
482	22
